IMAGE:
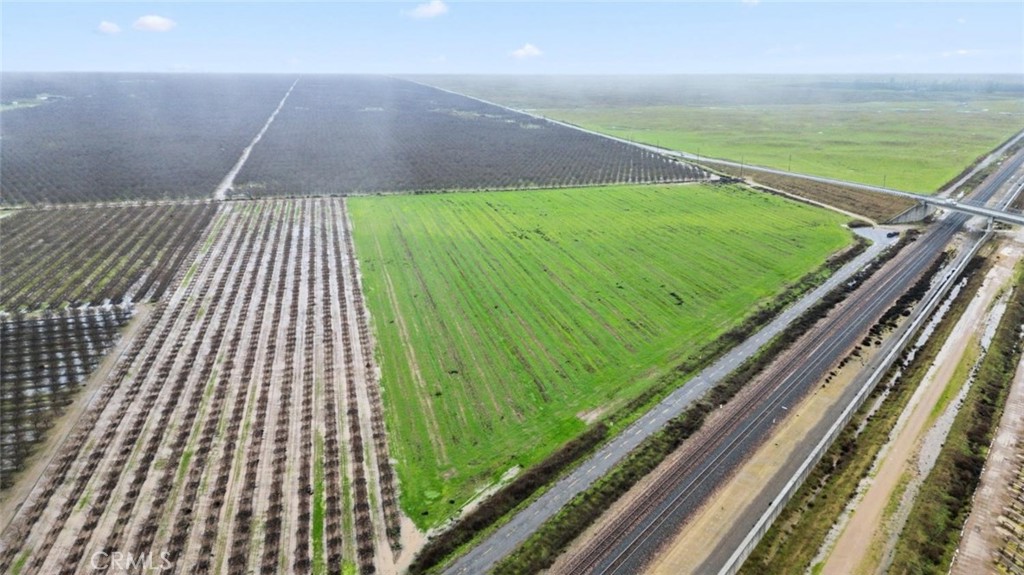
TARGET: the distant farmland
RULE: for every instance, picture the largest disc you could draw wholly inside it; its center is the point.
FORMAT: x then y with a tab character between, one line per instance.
373	134
103	137
278	404
72	138
911	146
503	319
913	133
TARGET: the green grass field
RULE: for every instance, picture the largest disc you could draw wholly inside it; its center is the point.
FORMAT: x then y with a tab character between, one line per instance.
501	317
912	146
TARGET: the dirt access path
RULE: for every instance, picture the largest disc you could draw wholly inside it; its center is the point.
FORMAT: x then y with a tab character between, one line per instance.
228	182
866	539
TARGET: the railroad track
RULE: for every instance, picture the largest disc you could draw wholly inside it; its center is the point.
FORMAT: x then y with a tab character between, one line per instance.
626	545
742	428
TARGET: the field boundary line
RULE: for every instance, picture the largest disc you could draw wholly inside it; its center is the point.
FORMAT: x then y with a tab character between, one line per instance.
229	180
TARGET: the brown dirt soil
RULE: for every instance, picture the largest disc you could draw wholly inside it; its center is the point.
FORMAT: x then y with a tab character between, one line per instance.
860	547
874	206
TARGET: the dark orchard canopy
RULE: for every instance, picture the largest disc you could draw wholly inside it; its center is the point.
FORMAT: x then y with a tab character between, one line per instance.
91	137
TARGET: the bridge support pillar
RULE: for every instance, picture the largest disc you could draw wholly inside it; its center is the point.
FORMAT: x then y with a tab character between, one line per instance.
914	214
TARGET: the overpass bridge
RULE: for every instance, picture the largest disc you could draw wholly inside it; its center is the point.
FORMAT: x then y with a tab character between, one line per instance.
998	213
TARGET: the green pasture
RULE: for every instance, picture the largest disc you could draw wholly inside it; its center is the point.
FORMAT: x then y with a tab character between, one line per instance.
501	318
907	145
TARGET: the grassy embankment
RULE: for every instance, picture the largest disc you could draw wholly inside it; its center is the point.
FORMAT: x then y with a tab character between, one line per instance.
932	531
504	318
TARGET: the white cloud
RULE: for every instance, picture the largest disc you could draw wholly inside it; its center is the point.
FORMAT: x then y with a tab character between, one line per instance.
751	2
431	9
960	52
108	28
154	23
527	51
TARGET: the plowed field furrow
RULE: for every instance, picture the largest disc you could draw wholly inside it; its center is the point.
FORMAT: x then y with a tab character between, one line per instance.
230	453
190	380
234	435
330	295
185	514
242	533
274	518
232	317
362	512
302	561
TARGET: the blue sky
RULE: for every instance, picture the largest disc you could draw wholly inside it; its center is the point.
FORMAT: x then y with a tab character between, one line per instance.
440	36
